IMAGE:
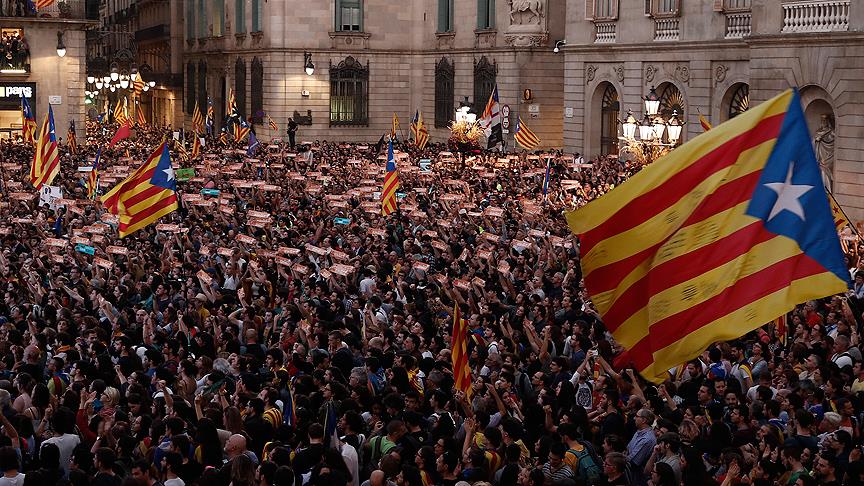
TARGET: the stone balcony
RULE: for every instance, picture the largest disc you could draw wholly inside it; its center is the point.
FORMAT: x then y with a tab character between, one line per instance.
816	16
738	24
667	29
605	32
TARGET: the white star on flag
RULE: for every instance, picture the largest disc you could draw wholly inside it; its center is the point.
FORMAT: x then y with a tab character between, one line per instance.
788	195
169	173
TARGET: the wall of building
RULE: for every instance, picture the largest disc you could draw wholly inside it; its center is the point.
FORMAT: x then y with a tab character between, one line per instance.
400	45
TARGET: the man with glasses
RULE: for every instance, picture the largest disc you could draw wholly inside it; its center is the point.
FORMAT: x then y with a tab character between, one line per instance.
641	445
614	467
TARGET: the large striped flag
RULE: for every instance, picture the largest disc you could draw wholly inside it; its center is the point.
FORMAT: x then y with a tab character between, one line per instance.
146	195
197	120
46	160
71	139
491	121
40	4
273	125
391	184
419	130
241	130
120	115
28	122
137	85
524	136
459	353
93	176
712	240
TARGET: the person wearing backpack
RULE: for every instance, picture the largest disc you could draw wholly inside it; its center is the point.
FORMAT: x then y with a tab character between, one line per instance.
580	455
666	451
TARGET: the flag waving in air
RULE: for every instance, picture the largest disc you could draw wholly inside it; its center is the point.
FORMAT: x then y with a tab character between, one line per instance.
419	130
28	122
146	195
706	125
46	160
72	139
208	120
391	184
712	240
197	120
491	121
524	136
459	354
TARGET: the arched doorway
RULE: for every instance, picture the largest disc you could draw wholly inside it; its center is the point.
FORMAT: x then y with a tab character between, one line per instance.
609	110
671	103
737	100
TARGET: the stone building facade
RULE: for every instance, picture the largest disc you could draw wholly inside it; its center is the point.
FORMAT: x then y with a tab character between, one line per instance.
717	57
374	58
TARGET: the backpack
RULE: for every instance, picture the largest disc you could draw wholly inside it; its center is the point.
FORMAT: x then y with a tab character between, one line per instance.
370	457
588	469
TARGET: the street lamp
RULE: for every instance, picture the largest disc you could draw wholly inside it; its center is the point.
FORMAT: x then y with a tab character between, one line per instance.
652	103
558	45
115	74
124	81
307	63
629	126
99	84
91	79
61	47
674	128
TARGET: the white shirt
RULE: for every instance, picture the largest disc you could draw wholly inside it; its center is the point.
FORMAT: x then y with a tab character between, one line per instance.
349	454
13	481
174	482
66	443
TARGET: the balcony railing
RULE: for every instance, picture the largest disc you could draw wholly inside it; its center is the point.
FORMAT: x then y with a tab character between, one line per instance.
606	32
68	9
816	16
737	25
667	29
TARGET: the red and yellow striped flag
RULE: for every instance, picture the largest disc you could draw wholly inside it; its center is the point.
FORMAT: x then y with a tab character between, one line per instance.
141	120
713	240
780	329
706	125
46	160
526	138
459	354
146	195
840	218
273	125
391	184
120	115
197	120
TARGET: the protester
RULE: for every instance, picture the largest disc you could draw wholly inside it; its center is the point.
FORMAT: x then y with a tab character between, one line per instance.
278	330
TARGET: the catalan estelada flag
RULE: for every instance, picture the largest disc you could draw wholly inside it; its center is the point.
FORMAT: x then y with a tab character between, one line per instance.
706	125
840	218
419	130
713	240
524	136
142	121
146	195
241	130
46	160
391	184
459	353
273	125
28	122
72	139
120	115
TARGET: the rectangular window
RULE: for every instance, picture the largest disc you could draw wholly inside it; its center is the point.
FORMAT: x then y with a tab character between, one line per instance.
202	19
190	20
240	16
485	14
666	7
737	4
218	18
256	16
445	15
349	15
605	9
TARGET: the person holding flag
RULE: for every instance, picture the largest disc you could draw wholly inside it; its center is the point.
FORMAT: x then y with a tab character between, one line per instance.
208	120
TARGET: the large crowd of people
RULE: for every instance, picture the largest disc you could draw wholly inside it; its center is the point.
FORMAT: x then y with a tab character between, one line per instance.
219	346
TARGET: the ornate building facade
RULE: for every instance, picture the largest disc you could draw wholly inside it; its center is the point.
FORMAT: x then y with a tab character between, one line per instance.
374	58
717	58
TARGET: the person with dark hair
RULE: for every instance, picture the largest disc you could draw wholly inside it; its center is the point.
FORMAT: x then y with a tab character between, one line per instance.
146	473
556	471
614	468
63	424
10	464
104	462
172	463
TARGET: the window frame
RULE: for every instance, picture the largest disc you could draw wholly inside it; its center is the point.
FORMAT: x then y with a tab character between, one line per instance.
348	4
257	16
240	16
445	16
257	93
485	14
349	85
445	93
240	85
218	17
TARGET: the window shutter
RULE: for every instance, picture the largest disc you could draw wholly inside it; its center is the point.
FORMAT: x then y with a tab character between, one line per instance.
442	15
589	9
482	14
338	15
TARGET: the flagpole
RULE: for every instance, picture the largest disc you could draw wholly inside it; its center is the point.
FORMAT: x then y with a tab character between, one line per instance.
854	229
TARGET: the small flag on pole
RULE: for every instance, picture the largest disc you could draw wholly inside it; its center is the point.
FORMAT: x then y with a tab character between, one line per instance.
391	184
706	125
524	136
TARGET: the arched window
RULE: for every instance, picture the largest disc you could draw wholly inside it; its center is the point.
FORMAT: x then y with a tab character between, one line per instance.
740	100
349	93
671	100
202	85
484	83
609	109
190	87
257	90
240	86
444	93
